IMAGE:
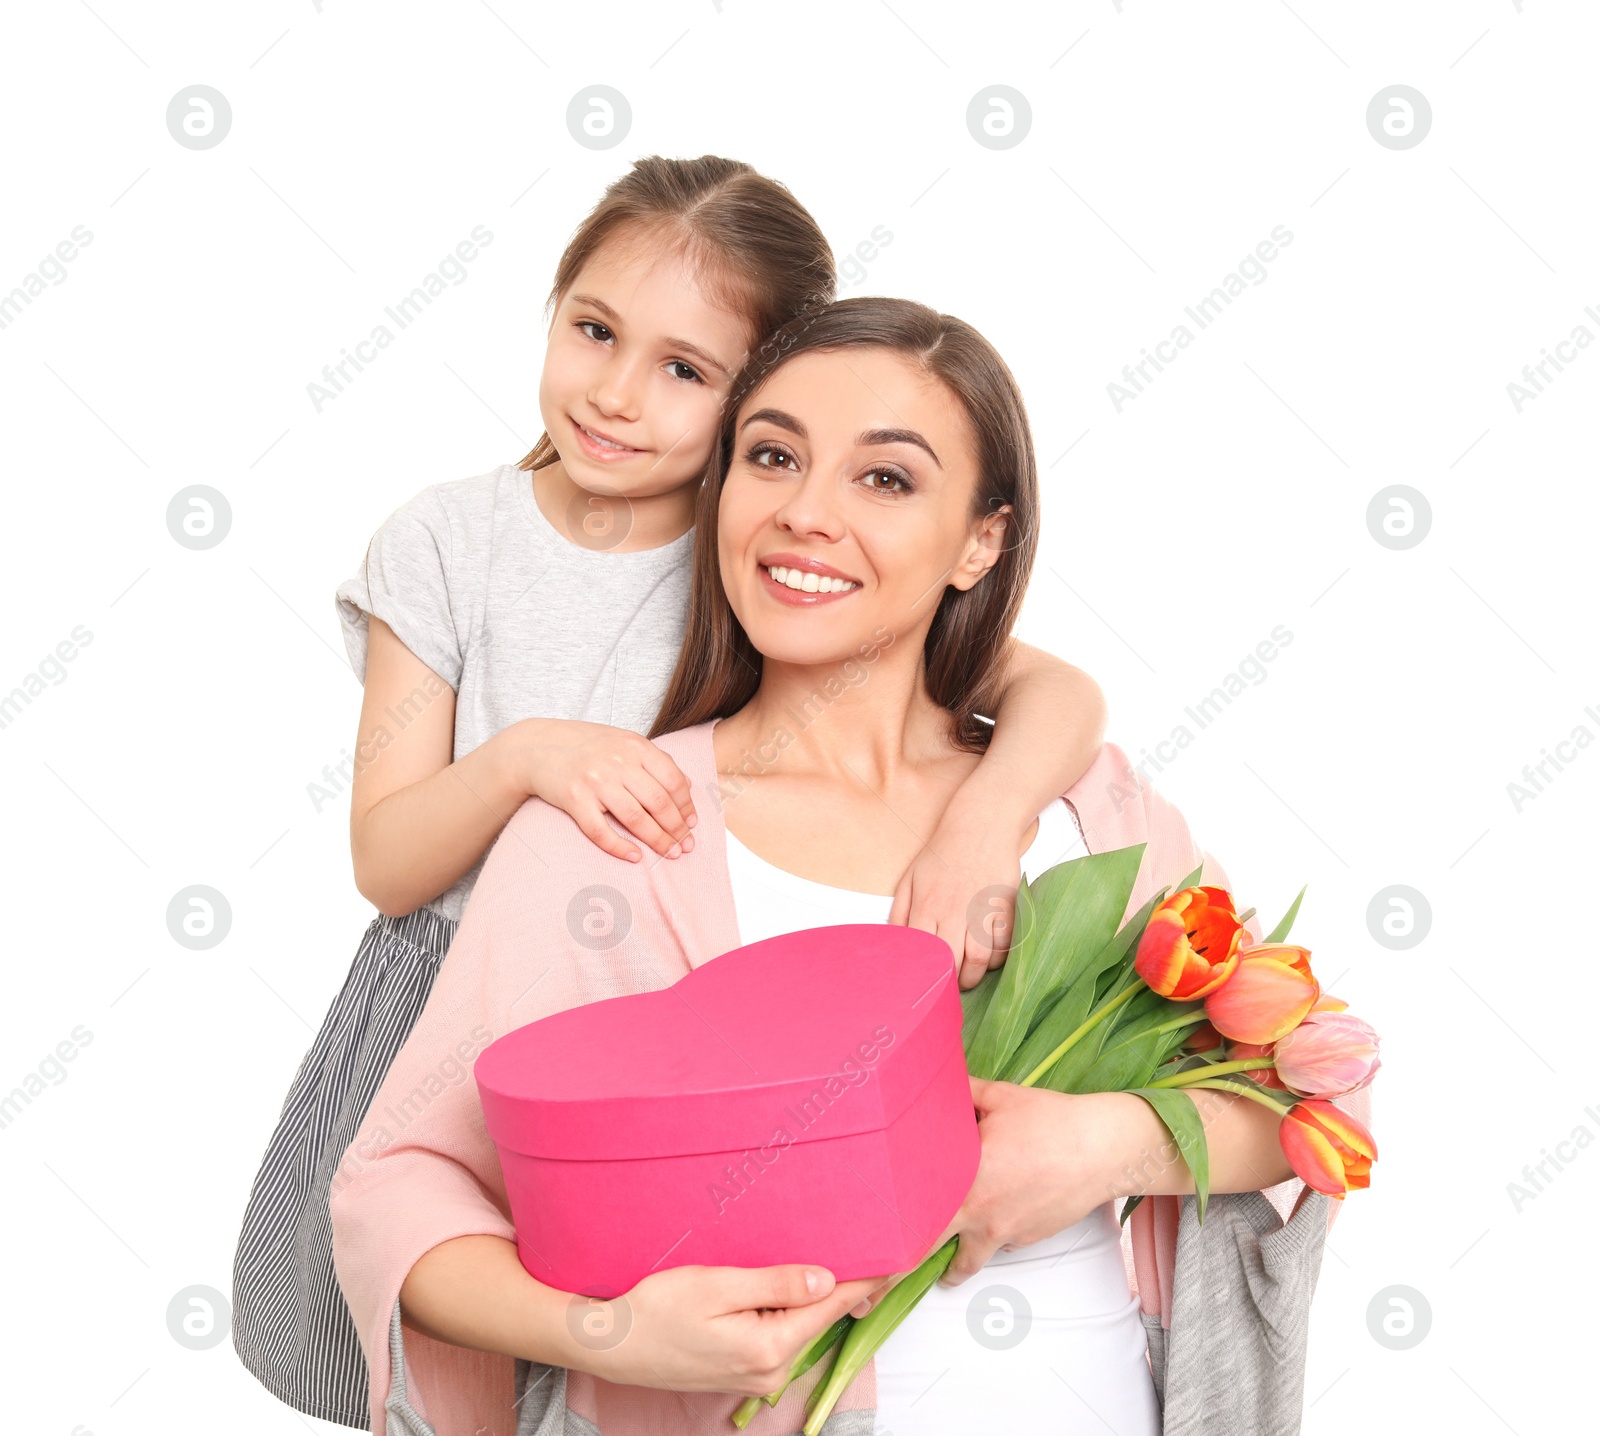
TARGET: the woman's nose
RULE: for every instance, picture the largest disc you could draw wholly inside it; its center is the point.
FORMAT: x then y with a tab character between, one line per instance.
811	507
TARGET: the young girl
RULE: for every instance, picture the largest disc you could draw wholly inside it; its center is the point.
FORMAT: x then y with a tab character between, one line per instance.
516	632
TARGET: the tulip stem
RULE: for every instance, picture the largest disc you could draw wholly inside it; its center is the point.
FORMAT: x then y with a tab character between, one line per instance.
1107	1007
1221	1084
1195	1075
872	1330
820	1347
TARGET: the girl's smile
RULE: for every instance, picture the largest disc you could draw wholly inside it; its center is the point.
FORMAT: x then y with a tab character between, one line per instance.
601	447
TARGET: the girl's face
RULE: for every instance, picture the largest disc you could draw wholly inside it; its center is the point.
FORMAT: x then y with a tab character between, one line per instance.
853	476
638	364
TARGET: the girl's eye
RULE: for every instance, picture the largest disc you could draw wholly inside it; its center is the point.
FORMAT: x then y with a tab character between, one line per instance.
593	329
898	482
771	456
679	370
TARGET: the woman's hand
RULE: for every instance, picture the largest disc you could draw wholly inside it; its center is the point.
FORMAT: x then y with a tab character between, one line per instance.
962	887
588	770
1048	1160
706	1328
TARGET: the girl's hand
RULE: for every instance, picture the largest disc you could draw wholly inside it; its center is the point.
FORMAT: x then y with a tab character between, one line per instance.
962	886
1048	1160
712	1328
588	770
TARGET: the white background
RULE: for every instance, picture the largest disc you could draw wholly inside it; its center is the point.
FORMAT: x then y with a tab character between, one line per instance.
1231	496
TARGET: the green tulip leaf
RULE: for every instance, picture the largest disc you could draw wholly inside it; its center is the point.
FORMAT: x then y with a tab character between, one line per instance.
1281	932
975	1003
1071	913
1182	1118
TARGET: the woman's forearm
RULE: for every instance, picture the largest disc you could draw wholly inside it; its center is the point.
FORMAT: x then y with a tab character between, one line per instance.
1241	1143
413	844
474	1292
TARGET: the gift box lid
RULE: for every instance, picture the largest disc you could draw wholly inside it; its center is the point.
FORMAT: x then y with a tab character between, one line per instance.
855	1018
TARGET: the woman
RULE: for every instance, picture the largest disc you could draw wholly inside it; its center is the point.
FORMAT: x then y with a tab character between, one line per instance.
867	530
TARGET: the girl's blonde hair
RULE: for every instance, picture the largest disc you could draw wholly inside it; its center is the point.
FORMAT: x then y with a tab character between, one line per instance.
753	240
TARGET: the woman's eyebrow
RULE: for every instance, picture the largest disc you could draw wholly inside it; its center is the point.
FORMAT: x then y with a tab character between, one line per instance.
897	436
779	418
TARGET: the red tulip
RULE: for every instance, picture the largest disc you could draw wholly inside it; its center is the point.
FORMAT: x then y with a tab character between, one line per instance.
1328	1149
1204	1038
1327	1055
1190	945
1265	996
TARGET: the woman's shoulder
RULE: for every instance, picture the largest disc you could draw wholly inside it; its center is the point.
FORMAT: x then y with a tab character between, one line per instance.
1117	805
548	830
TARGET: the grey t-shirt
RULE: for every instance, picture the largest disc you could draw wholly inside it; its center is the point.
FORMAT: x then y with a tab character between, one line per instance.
518	620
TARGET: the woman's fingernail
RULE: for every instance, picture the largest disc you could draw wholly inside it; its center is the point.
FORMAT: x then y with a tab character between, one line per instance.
688	843
861	1308
693	819
813	1280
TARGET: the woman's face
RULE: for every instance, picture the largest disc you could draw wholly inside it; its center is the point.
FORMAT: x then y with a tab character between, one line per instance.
853	476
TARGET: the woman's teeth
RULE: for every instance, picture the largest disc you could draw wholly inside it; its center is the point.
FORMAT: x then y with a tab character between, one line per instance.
808	582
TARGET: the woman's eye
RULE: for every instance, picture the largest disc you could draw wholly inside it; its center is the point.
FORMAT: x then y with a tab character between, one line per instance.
593	329
894	482
679	370
768	456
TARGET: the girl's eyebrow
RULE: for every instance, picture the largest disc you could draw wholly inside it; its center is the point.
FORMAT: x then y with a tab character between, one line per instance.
699	354
588	301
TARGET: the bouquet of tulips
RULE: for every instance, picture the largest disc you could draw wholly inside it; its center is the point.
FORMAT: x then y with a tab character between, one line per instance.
1170	999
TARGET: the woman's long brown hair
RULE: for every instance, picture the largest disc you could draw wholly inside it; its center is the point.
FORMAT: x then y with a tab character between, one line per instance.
968	645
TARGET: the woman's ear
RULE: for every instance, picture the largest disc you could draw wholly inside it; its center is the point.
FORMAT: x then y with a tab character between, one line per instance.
983	549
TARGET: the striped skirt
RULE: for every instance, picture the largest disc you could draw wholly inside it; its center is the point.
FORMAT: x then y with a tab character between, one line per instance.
291	1327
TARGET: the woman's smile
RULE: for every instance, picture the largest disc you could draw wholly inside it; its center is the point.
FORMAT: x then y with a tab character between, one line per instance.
802	582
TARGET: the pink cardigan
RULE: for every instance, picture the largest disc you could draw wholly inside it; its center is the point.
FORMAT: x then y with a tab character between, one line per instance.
422	1170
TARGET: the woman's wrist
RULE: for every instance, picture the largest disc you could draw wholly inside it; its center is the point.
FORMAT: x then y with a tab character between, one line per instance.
1139	1154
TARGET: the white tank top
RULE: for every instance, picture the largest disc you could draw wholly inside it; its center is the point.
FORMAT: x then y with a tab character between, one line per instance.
1047	1337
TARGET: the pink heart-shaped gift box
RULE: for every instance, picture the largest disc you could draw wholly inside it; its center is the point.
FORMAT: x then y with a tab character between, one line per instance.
801	1099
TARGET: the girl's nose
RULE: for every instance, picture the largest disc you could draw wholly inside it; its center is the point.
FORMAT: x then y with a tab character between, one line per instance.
618	389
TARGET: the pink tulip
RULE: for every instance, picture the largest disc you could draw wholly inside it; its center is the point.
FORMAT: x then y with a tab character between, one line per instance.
1327	1055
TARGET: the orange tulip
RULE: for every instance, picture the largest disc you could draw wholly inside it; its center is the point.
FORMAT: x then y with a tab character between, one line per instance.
1204	1038
1328	1149
1266	995
1329	1003
1191	944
